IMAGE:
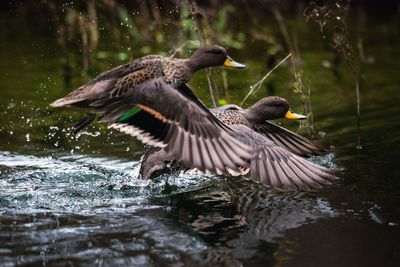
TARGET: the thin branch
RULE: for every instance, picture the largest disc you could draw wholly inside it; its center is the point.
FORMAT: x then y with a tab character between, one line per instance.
256	86
85	44
358	105
93	24
196	17
303	91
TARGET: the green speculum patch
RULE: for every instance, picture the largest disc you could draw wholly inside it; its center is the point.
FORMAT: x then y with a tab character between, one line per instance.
129	114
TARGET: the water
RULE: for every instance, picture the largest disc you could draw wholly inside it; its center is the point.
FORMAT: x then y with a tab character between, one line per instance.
67	200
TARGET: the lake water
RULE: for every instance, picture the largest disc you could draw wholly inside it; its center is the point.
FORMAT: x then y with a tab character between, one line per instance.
67	200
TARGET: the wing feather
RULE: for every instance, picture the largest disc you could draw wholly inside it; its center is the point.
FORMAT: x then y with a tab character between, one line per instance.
279	168
291	141
168	118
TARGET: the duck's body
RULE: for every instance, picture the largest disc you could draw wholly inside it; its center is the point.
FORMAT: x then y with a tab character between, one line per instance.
277	162
123	79
148	98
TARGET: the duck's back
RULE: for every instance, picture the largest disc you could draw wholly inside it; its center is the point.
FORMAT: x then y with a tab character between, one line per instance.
231	115
118	81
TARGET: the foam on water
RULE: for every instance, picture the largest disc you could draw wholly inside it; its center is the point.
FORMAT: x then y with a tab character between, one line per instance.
77	183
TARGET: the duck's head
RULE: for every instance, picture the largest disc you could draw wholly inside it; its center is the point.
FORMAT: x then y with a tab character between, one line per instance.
272	108
212	56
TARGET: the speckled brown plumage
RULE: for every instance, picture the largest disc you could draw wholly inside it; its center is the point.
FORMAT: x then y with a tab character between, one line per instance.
231	116
127	77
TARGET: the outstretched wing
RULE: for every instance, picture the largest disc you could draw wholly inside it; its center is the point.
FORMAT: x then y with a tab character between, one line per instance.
289	140
161	116
279	168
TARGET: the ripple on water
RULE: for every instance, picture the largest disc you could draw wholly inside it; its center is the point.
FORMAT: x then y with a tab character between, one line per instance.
124	238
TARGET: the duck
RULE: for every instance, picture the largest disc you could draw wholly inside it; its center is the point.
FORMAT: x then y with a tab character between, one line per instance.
150	100
120	80
258	118
280	154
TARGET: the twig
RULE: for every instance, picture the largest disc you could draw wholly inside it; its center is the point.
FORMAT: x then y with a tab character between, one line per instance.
303	91
93	24
225	85
256	86
358	105
85	44
196	16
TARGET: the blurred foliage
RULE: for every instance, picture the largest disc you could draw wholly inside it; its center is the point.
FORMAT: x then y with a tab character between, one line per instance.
97	35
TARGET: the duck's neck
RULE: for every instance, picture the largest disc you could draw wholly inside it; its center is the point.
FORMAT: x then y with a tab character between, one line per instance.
204	60
260	113
255	116
194	65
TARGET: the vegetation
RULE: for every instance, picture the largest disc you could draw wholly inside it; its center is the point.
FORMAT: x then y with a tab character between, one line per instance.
88	31
331	17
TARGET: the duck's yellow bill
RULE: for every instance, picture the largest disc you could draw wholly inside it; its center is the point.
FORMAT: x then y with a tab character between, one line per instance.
294	116
230	63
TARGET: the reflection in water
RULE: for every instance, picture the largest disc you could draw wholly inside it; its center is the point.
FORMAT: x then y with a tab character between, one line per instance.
102	239
243	217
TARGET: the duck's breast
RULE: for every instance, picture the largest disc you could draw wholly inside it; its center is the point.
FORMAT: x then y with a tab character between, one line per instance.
176	71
